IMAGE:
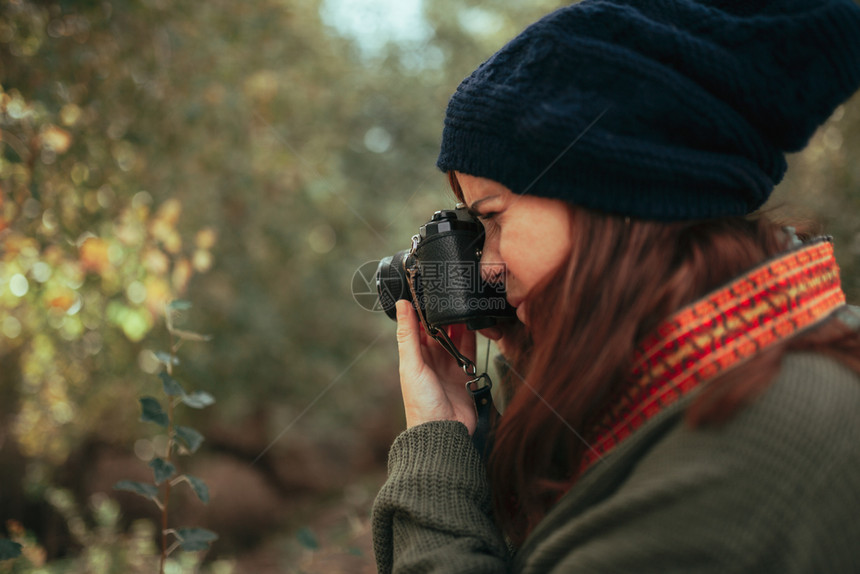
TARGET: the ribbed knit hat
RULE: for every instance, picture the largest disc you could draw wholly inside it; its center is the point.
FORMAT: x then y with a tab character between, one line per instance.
658	109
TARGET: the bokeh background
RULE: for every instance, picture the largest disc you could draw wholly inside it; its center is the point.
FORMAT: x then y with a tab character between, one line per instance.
248	157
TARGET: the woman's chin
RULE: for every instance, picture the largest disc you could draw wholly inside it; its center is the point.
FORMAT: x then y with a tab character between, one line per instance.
521	313
492	333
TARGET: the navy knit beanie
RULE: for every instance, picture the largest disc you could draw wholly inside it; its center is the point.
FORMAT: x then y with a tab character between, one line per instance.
657	109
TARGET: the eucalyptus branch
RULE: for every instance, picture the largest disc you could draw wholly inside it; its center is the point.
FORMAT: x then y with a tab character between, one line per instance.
183	439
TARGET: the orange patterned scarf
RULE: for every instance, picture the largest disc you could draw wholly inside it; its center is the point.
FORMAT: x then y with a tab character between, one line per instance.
720	331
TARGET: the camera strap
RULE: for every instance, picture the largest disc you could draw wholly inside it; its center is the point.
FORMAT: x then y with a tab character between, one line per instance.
483	408
478	386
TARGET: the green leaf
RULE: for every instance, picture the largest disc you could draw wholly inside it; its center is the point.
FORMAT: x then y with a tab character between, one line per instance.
151	411
198	399
179	305
172	388
199	487
189	437
166	358
162	469
192	539
144	489
307	538
9	549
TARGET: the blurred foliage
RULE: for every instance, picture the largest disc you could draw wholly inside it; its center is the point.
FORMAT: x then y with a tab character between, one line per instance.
240	155
823	188
105	548
246	156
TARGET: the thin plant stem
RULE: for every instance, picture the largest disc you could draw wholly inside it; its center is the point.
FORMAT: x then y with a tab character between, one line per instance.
169	454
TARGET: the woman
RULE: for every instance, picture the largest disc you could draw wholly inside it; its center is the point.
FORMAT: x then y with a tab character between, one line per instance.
685	377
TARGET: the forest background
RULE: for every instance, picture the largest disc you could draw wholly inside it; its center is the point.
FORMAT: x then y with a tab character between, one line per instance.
251	158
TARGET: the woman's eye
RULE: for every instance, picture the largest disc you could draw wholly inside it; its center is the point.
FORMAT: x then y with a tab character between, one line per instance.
488	216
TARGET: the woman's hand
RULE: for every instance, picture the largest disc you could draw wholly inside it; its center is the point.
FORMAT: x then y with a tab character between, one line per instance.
432	383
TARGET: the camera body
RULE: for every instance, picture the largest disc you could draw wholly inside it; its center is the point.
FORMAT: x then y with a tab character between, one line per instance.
444	268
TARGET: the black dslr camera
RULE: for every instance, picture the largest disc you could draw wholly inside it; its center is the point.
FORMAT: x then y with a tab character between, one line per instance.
441	274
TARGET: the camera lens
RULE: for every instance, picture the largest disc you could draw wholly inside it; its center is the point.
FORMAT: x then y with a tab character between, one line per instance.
391	282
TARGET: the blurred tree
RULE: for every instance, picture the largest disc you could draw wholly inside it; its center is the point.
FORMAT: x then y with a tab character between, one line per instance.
823	186
87	258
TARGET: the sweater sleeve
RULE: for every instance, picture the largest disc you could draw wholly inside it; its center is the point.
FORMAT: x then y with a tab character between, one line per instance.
433	512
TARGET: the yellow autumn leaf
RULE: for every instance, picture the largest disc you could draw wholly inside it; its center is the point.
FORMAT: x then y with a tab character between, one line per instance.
157	294
169	211
181	275
56	139
205	238
156	261
202	260
94	255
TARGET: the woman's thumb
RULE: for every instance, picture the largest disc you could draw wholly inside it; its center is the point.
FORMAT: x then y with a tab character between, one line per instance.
408	344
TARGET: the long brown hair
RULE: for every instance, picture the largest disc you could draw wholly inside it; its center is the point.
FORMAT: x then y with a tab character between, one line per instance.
622	278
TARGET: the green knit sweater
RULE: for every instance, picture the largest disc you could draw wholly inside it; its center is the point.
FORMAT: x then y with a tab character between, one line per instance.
776	489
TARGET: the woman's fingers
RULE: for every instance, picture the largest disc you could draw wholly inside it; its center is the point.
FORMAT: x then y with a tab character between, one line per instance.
430	379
